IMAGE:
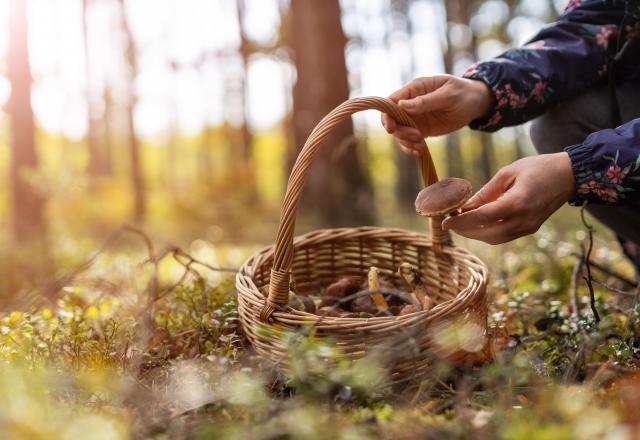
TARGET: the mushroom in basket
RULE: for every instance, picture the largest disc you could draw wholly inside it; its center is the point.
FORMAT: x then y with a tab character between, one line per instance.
373	304
342	288
300	302
419	293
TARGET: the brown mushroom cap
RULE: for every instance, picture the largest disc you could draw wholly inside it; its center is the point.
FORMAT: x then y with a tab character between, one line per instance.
443	197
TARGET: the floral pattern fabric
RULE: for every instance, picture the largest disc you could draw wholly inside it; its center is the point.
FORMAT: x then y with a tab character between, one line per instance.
607	165
564	59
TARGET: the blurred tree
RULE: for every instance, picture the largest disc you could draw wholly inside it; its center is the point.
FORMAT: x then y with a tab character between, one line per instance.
408	174
245	53
338	190
27	203
457	13
99	159
487	148
107	114
134	144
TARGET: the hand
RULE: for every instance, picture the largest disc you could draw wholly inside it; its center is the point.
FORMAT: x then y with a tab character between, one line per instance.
518	199
439	105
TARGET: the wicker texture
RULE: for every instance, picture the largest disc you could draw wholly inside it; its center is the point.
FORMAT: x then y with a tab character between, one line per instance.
455	278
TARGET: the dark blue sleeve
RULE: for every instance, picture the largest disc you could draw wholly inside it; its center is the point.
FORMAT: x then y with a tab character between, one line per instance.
563	59
607	166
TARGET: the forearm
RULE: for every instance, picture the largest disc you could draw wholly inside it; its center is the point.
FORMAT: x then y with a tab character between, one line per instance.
564	59
606	166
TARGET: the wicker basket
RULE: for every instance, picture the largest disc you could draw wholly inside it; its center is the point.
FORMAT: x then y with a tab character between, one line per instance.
456	279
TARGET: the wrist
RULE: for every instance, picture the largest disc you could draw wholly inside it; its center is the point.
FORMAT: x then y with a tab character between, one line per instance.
566	179
483	99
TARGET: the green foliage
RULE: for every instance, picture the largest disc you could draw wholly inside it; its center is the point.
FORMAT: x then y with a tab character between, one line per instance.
111	364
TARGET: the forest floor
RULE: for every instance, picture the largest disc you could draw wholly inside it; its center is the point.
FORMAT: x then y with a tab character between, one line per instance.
147	344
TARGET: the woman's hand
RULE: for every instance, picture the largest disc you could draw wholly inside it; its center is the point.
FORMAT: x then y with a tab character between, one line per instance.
439	105
518	199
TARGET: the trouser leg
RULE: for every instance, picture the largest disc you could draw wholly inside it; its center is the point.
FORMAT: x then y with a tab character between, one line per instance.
571	121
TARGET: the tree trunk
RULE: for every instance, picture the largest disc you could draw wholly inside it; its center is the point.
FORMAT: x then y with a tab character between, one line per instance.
245	52
106	123
338	190
458	12
139	207
520	149
98	157
27	204
408	174
487	156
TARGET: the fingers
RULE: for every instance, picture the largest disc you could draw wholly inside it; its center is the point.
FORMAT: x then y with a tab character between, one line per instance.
493	189
388	123
435	100
410	140
497	233
501	211
409	91
419	86
485	215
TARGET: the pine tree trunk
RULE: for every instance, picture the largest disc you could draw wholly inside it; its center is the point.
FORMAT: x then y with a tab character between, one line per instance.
457	11
137	180
98	157
27	204
245	52
409	180
338	190
487	156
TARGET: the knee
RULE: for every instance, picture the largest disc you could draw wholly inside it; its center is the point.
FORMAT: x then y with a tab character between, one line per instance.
546	134
570	122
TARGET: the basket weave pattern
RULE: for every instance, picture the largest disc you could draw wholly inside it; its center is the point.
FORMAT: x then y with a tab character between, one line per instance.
455	278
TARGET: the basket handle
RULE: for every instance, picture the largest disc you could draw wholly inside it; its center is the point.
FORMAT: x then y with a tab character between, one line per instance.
283	254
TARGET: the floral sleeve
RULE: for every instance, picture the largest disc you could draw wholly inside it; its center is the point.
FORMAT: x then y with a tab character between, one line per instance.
563	59
607	165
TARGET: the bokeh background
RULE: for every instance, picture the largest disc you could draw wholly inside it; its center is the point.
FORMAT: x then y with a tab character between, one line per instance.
184	117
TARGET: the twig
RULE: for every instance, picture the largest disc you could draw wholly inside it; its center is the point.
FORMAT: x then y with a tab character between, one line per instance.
608	271
53	288
575	276
633	310
614	290
587	258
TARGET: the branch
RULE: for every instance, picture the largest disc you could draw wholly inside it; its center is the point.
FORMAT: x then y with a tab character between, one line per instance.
575	276
587	262
608	271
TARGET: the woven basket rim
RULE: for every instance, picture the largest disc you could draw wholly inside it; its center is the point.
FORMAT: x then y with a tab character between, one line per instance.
265	254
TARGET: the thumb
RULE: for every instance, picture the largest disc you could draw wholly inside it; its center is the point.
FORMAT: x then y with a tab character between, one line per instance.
491	190
436	100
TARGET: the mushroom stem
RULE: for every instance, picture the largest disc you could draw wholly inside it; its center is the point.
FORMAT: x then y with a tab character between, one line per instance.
439	236
440	239
374	289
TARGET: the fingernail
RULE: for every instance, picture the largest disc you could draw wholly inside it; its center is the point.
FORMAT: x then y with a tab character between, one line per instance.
469	205
418	145
407	103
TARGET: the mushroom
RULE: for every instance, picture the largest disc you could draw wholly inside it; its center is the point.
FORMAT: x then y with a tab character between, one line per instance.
364	304
408	309
329	311
373	279
297	302
345	286
302	303
443	197
419	292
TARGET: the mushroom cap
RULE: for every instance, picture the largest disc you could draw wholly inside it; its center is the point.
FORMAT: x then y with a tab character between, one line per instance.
443	197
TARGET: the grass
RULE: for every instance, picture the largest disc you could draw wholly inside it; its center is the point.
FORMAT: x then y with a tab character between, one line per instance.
147	344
